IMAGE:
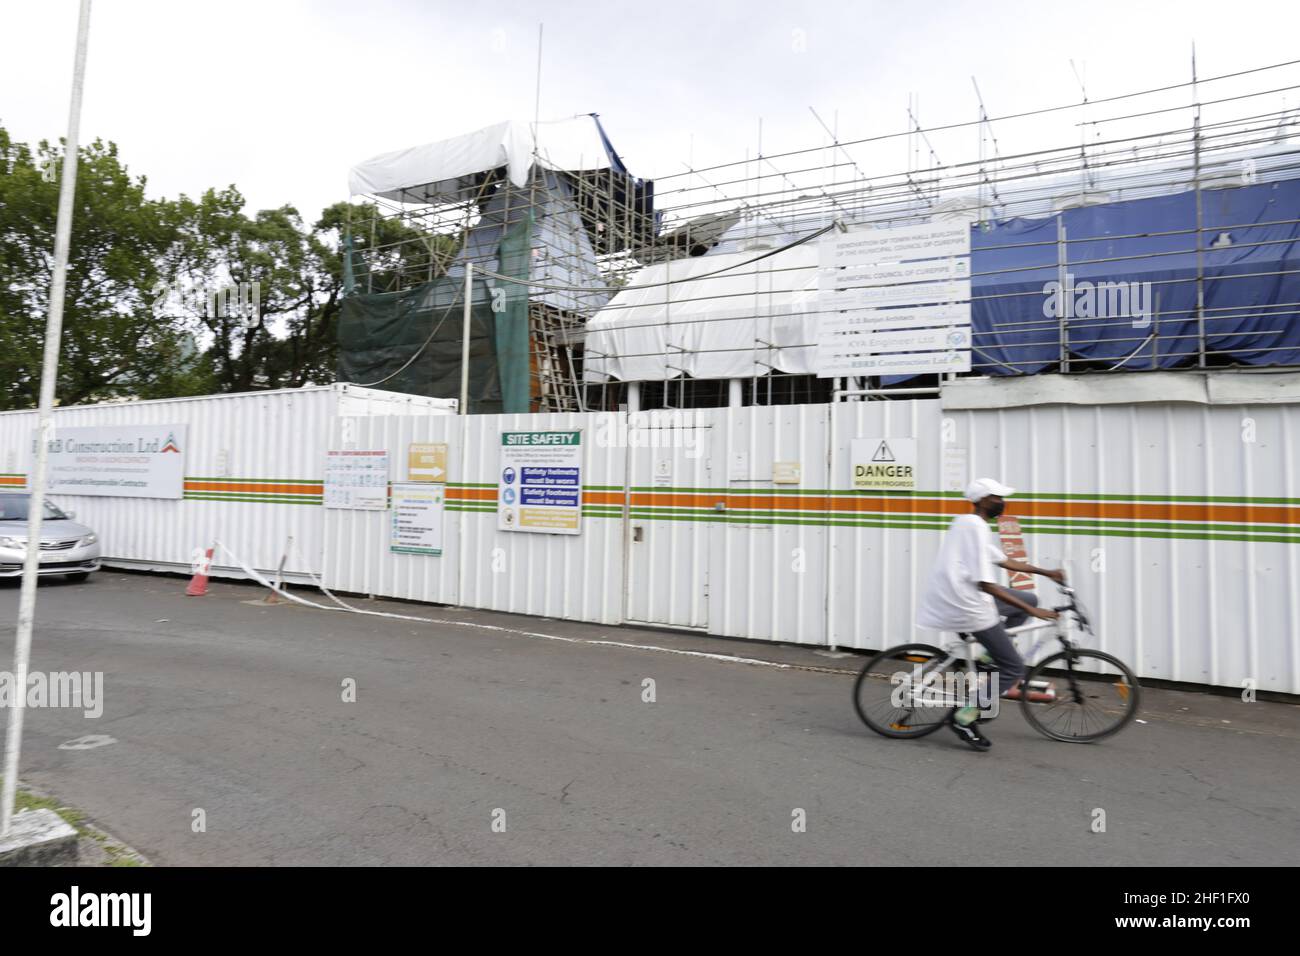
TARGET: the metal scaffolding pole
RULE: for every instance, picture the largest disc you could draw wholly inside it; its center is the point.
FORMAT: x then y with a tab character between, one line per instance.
464	345
49	378
1200	219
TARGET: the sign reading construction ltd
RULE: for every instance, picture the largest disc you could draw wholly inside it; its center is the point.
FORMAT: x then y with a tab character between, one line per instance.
118	461
539	486
884	464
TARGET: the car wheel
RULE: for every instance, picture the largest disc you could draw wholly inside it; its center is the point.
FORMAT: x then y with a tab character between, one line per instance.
79	576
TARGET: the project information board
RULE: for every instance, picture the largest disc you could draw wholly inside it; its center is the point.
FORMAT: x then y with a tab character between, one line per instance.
894	301
540	482
356	479
417	517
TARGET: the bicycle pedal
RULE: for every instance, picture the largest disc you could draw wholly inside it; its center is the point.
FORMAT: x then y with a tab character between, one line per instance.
1036	692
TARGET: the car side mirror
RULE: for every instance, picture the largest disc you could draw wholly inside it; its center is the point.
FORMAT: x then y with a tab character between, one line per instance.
70	514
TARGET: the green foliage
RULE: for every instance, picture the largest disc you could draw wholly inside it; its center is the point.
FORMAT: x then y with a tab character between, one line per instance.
112	344
139	317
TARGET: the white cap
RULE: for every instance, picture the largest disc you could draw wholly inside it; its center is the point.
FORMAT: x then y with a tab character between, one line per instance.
981	488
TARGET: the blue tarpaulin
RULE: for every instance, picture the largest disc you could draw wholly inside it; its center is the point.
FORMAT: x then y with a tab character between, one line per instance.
1251	269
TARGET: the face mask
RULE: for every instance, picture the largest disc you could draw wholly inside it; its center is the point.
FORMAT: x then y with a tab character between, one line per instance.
995	511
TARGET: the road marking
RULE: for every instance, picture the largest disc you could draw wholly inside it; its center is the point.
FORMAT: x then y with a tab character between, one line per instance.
727	658
730	658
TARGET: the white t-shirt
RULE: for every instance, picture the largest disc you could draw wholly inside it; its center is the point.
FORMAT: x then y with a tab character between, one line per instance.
952	600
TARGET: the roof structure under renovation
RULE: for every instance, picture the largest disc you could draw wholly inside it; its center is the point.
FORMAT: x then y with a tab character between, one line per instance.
540	203
750	303
1190	221
424	174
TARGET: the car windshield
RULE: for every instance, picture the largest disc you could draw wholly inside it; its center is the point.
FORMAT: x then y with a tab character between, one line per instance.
15	508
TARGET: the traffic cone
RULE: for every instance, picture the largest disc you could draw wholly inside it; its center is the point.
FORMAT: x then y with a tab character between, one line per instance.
199	583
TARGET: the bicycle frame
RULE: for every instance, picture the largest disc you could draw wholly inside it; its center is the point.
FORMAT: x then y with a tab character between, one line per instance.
963	648
1076	678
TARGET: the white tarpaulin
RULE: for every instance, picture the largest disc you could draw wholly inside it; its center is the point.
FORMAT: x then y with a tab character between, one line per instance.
732	325
419	173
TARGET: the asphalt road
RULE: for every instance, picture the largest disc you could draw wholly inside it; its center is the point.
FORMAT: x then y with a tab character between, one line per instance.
219	705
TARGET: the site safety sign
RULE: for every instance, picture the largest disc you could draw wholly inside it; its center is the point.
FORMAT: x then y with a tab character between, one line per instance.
539	485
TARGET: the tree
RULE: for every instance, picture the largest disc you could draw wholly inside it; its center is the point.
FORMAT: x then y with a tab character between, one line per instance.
307	349
185	296
113	343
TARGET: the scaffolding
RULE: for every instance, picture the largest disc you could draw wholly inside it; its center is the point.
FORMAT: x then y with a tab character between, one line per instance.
1200	137
545	248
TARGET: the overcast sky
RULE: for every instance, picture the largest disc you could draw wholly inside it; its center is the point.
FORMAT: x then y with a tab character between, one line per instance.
280	97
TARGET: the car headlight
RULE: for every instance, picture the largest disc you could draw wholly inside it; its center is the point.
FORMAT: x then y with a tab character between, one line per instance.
12	543
88	540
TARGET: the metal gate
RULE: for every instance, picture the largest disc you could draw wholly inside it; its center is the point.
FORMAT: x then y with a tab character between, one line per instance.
666	569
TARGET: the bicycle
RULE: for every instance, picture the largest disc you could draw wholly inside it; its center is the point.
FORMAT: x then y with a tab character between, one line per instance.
1100	690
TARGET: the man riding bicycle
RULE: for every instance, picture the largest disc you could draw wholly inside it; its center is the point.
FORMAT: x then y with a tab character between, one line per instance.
961	596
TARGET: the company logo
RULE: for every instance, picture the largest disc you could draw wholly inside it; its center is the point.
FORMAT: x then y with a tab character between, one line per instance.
170	444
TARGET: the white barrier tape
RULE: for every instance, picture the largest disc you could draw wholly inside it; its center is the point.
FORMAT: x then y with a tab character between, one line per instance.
321	584
256	576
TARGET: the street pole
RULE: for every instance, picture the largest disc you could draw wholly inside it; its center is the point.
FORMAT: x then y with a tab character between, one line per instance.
49	375
464	346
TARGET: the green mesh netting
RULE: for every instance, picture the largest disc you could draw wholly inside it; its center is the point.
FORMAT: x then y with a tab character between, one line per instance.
515	257
378	334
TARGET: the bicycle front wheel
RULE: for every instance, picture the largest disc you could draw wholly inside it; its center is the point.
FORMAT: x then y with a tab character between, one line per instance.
1097	695
886	692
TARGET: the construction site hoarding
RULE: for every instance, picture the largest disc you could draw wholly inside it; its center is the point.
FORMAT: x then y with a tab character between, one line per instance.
253	472
1178	523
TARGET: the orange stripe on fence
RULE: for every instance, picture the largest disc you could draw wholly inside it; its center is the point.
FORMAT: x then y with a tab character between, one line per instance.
1158	511
242	487
1247	514
804	503
490	494
471	494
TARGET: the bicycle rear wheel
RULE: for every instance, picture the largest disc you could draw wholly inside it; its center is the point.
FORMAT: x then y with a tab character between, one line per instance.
882	695
1097	695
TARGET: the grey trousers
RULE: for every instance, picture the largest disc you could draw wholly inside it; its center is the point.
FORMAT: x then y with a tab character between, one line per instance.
996	640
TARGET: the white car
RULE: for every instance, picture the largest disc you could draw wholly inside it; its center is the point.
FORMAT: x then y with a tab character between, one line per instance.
66	547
